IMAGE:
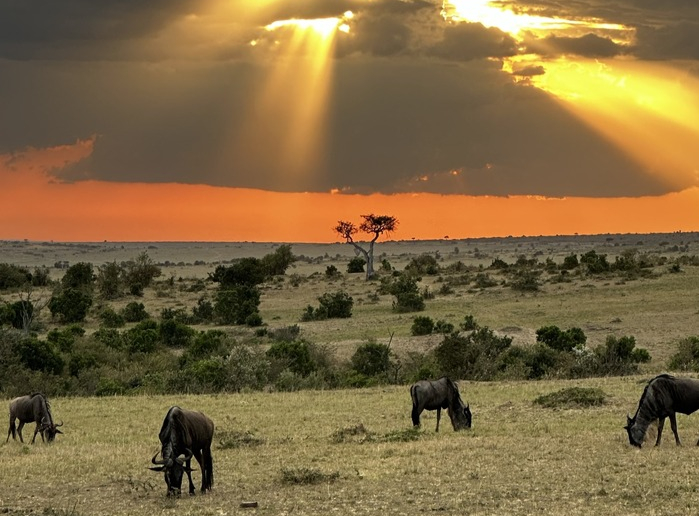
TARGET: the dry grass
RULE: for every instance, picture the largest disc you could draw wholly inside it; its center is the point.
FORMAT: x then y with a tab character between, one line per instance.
519	458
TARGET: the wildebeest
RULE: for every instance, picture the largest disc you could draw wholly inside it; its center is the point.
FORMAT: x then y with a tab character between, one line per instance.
436	395
662	397
185	434
33	408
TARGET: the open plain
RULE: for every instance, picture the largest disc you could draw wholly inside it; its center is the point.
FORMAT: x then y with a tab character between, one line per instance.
352	451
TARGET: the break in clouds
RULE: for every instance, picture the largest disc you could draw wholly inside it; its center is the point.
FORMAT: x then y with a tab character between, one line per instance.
415	104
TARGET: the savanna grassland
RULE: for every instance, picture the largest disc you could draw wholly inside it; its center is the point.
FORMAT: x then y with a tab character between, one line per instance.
352	451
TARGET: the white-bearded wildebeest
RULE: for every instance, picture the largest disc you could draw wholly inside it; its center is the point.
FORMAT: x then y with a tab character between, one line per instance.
31	408
185	433
436	395
662	397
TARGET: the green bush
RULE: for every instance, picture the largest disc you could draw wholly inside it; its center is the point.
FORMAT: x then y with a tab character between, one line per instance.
62	340
422	325
140	273
407	293
356	264
559	340
474	356
111	319
336	305
79	277
234	305
175	334
294	356
423	264
71	305
469	323
372	359
687	356
13	276
443	327
39	355
134	312
109	280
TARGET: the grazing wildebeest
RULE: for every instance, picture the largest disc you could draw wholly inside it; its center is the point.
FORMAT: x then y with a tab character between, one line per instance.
662	397
436	395
185	433
31	408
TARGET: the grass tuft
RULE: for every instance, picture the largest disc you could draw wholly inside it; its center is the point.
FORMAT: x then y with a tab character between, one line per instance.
573	397
357	433
307	476
235	439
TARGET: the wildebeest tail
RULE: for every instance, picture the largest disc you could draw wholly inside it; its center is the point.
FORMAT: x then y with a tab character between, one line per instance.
415	413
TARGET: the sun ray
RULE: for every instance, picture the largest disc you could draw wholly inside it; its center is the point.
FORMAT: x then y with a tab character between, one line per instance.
285	126
649	110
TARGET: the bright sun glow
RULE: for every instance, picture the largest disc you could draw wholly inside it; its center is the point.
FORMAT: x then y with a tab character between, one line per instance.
483	11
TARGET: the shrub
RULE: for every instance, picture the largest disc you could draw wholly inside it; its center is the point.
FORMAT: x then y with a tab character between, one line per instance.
134	312
110	338
422	325
332	272
276	263
423	264
469	323
285	334
337	305
559	340
443	327
204	311
79	276
109	280
372	359
71	305
18	314
570	262
407	294
39	355
595	263
142	338
62	340
111	319
484	280
295	356
245	272
474	356
234	305
12	276
687	356
356	264
140	273
526	281
620	356
175	334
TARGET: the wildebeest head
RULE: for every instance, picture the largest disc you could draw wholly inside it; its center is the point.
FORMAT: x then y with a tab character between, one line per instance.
173	468
462	417
634	438
50	429
467	416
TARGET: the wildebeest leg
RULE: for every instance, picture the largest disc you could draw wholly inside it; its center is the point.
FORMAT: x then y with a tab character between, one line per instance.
661	424
11	430
207	470
673	425
415	415
439	415
188	469
36	431
19	431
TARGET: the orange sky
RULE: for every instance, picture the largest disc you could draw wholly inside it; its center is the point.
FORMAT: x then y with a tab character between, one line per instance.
36	207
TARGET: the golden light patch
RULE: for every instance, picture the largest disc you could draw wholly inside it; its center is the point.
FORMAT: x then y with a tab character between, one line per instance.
649	110
491	14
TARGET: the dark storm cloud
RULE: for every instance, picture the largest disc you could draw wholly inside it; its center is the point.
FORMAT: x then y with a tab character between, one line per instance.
417	104
467	41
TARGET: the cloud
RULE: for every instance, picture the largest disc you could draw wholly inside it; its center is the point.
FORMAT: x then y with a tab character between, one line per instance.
164	88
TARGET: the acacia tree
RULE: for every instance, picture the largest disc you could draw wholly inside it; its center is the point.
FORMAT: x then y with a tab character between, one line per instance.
374	225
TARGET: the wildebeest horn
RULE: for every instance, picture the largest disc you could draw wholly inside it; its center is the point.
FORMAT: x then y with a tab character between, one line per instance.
60	424
182	460
162	461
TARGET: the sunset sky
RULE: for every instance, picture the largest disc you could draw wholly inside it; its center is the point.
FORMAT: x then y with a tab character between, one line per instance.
270	120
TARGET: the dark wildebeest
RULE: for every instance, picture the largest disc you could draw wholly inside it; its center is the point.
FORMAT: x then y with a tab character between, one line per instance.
185	433
662	397
436	395
33	408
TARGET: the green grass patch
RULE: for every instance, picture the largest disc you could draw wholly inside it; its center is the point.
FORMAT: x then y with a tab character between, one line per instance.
573	397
